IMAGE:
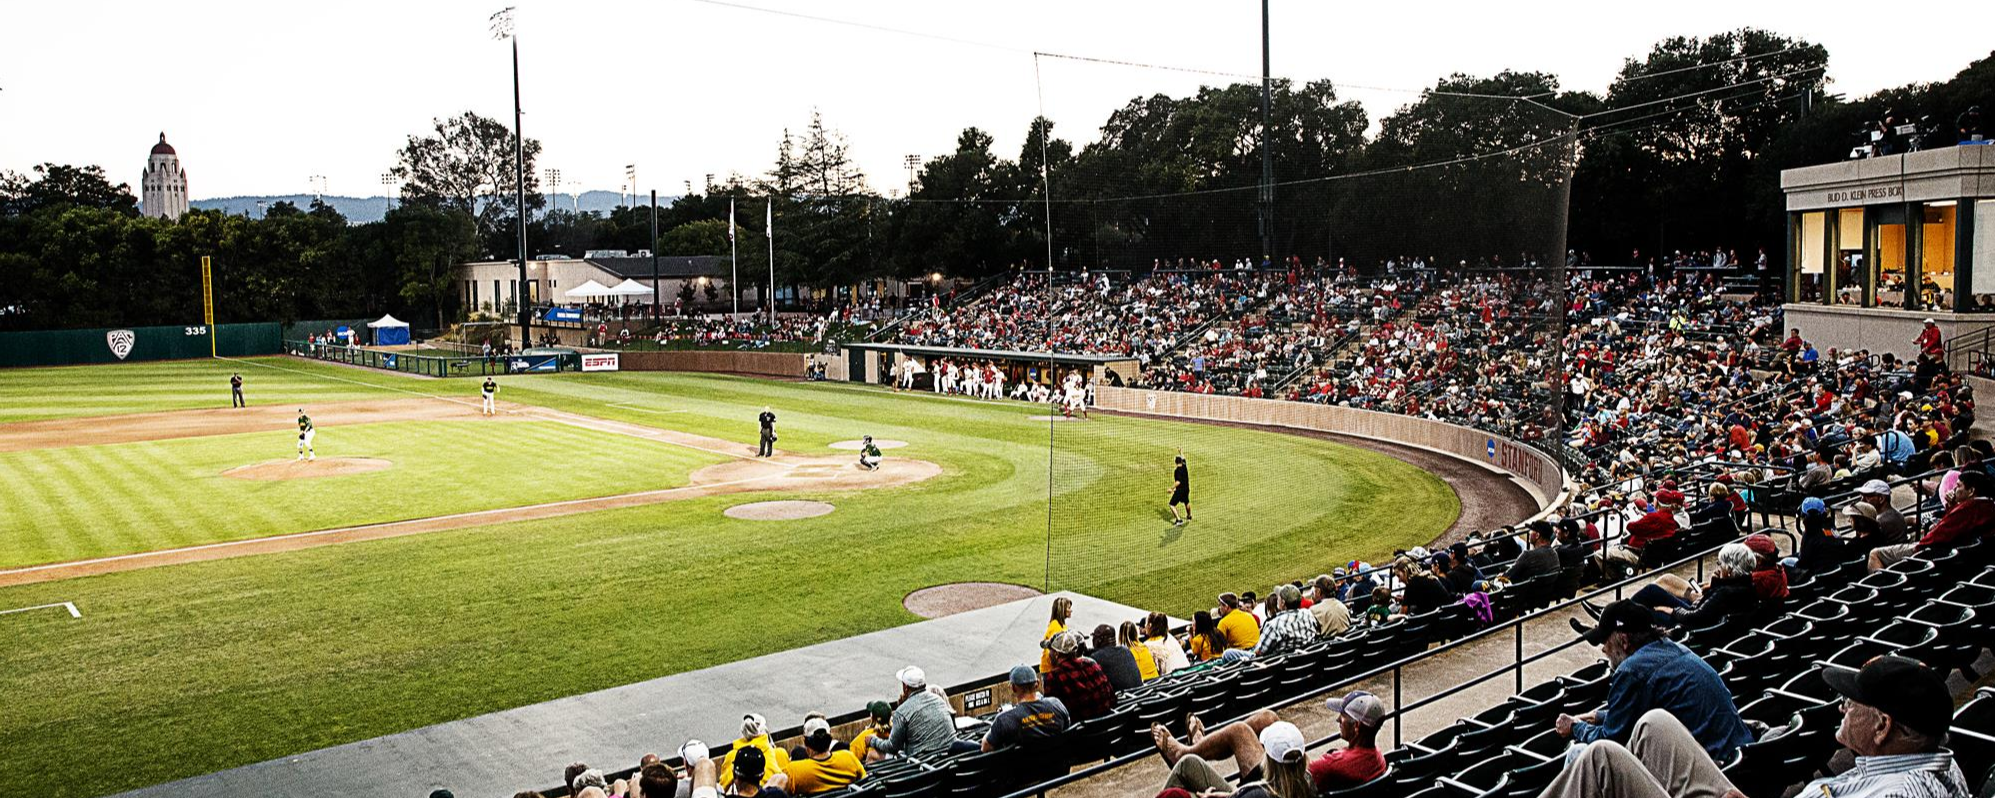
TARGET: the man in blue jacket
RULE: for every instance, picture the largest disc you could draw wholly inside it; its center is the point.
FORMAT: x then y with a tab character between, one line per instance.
1652	672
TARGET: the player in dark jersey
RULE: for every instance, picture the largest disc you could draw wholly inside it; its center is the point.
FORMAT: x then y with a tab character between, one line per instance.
235	391
1180	492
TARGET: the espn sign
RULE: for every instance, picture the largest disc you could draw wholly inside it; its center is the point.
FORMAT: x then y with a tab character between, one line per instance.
599	362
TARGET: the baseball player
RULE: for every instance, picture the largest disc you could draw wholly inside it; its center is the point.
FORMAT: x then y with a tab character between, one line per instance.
869	455
305	435
1180	491
491	392
235	391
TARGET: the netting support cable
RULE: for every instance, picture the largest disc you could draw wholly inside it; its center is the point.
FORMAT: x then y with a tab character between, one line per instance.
1046	193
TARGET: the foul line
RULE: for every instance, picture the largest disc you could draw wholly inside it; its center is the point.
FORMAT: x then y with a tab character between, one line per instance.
574	419
365	527
73	613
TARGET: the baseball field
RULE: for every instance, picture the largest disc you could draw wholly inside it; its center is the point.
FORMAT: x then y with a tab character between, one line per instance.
435	563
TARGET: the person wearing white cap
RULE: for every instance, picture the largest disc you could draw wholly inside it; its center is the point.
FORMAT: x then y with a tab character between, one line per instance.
700	764
1891	528
754	734
1929	341
1281	770
921	724
821	769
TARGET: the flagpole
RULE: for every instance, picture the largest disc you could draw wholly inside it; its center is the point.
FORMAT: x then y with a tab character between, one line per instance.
733	265
769	227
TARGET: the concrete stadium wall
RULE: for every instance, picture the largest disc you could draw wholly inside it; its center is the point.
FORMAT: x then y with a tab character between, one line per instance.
1537	471
767	364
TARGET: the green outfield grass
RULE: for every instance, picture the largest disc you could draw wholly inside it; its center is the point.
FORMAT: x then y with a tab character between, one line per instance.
188	669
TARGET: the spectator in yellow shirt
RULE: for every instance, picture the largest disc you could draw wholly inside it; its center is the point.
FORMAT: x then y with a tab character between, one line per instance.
1146	662
754	734
883	714
1063	608
1206	642
1236	624
823	770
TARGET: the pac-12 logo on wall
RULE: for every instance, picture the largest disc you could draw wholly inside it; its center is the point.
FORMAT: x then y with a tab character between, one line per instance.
121	342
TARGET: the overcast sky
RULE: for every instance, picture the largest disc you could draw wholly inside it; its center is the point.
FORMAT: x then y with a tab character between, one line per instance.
258	96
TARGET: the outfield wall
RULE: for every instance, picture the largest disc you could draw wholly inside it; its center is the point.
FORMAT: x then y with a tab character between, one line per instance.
766	364
127	344
1537	471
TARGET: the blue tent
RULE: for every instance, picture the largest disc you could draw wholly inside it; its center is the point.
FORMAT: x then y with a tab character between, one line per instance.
389	331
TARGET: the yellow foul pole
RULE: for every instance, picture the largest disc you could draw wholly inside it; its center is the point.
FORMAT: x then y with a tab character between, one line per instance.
208	302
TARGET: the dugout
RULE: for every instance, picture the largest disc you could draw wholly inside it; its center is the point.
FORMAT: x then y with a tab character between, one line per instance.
874	363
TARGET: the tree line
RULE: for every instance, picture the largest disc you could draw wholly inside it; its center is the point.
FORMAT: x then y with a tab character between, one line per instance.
1682	151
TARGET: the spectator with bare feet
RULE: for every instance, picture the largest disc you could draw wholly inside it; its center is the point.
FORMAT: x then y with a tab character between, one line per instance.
1269	753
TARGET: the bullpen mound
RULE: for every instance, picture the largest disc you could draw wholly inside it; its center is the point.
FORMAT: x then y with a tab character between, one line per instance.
270	470
943	600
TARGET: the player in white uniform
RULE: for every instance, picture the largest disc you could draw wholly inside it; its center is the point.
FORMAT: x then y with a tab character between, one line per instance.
490	392
305	435
997	383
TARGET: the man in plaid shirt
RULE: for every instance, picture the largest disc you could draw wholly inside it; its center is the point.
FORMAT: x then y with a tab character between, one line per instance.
1291	629
1077	680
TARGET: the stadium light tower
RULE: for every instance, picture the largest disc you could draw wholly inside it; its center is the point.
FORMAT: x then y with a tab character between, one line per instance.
553	187
502	28
913	161
388	190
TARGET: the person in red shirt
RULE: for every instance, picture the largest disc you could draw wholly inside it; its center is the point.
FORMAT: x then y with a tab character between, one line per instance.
1359	715
1929	340
1659	523
1077	680
1970	515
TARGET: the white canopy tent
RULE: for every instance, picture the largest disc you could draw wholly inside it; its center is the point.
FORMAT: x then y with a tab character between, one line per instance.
628	288
389	331
588	290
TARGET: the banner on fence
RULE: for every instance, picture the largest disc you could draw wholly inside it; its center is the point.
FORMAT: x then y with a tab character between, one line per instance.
599	362
531	363
563	314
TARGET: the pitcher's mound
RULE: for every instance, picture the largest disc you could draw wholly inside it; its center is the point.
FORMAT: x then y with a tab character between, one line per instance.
1056	418
941	600
778	511
269	470
853	446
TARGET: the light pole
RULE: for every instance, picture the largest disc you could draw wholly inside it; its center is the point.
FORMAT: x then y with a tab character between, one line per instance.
318	185
630	178
387	192
1267	139
912	162
502	28
553	187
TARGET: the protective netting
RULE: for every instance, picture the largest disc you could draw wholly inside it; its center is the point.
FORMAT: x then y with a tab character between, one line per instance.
1415	266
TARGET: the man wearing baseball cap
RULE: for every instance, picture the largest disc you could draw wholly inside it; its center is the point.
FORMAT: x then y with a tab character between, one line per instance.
1655	679
821	769
1359	715
921	724
1970	515
1031	716
1896	713
1891	528
1077	680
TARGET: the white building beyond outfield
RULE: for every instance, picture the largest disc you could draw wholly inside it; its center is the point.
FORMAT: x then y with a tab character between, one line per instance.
488	285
